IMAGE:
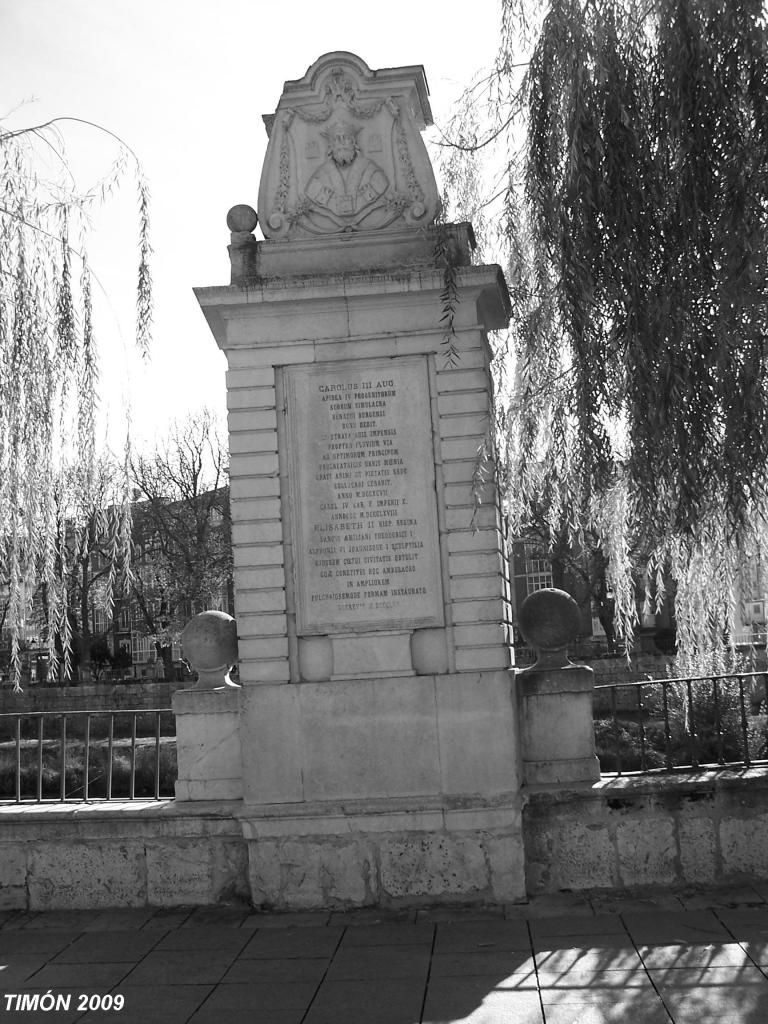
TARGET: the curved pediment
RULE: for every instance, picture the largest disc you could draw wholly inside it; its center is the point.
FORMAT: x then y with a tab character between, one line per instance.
345	152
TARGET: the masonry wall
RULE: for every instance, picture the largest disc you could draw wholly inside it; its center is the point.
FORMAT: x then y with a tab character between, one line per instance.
105	697
120	855
696	828
691	829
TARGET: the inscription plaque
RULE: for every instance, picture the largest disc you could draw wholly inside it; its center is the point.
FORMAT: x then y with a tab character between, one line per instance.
363	505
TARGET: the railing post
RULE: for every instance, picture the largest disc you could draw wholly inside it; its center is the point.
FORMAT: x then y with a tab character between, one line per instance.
555	697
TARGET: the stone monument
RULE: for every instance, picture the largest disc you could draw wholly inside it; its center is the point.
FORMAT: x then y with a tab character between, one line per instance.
377	725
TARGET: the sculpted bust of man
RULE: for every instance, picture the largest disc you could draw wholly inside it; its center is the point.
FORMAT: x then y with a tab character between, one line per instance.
347	186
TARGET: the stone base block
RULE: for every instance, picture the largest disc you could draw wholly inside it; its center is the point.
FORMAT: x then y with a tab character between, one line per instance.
404	739
276	258
301	864
557	730
208	744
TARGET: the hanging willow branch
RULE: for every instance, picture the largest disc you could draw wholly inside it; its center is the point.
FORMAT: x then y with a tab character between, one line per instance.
49	378
634	225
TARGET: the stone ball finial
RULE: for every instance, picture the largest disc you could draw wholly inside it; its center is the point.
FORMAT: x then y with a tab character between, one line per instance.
242	218
209	644
549	621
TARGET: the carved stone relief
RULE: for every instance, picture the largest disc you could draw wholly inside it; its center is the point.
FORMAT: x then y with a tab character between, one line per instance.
345	153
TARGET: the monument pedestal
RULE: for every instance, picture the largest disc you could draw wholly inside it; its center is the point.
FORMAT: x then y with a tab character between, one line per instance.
380	756
382	791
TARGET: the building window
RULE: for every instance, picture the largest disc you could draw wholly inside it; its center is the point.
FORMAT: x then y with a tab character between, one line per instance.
538	574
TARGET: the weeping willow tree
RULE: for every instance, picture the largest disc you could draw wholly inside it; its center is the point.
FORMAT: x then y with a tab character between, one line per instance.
49	375
616	160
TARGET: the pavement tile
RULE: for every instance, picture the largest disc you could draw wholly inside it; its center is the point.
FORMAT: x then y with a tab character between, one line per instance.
211	1013
376	962
573	924
168	918
596	940
473	1000
216	937
437	914
761	888
180	967
92	977
262	997
120	919
60	920
369	967
756	950
370	915
715	978
501	963
594	954
19	920
252	972
516	911
296	920
725	954
554	904
36	942
475	936
742	922
366	1002
735	897
16	969
620	904
151	1004
648	1009
107	947
225	917
292	942
697	926
578	981
389	935
718	995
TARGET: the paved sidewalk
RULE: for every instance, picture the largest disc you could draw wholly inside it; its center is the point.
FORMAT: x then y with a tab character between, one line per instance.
691	957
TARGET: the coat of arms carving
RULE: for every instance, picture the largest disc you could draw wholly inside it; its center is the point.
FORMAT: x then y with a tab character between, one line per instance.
345	152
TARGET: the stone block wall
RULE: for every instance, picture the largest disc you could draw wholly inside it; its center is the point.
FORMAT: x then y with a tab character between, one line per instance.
120	855
697	828
106	697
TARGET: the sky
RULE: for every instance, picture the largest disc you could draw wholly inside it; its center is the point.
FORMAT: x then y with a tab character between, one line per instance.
184	83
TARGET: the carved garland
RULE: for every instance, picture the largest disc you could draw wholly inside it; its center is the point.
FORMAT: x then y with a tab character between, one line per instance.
281	193
319	116
412	182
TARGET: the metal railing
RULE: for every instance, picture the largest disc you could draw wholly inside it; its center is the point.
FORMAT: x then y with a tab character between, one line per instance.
86	756
750	639
712	721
